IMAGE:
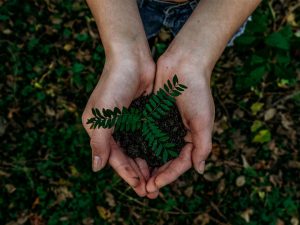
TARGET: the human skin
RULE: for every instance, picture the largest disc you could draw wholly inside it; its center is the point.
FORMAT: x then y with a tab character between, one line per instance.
191	55
128	73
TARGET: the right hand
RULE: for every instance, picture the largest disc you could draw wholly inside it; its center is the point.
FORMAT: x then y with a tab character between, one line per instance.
123	79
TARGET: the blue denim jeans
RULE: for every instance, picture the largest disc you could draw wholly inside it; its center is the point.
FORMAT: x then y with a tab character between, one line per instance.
158	13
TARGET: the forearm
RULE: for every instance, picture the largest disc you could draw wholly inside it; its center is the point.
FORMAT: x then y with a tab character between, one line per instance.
119	25
210	27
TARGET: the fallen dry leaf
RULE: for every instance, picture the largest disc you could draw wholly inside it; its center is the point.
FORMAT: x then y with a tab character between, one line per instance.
240	181
247	214
209	176
269	114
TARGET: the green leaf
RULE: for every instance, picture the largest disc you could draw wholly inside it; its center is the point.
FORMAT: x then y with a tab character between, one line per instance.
172	153
156	99
263	136
77	68
169	84
255	76
179	89
183	86
161	111
90	120
97	111
167	102
158	150
175	80
256	107
145	113
108	113
170	145
163	139
277	40
117	111
152	102
148	107
165	107
175	93
113	122
94	112
166	88
154	146
256	125
165	156
139	125
156	115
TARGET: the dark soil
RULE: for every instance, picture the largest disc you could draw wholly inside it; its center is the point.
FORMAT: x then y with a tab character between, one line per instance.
135	146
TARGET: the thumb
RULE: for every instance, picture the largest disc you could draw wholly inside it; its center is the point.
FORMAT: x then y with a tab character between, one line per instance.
100	144
202	148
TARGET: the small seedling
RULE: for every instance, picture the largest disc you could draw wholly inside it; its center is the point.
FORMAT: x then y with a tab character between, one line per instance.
132	119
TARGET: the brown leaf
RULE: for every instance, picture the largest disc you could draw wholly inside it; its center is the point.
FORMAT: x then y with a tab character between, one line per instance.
110	199
286	122
202	219
279	222
88	221
221	186
269	114
294	164
247	214
295	220
103	213
10	188
240	181
213	176
189	191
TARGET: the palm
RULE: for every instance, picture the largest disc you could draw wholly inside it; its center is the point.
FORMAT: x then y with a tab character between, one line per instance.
118	86
197	111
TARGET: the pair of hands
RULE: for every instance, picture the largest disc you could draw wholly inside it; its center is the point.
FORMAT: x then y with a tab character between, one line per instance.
125	77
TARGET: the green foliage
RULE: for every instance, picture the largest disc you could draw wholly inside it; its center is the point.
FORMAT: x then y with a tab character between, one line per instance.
45	157
132	119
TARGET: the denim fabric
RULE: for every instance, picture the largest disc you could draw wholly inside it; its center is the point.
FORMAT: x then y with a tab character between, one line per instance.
158	13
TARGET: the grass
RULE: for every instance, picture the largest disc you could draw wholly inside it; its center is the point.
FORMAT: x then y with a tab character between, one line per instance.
50	60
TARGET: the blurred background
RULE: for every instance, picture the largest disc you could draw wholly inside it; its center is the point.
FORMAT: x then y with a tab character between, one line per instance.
50	60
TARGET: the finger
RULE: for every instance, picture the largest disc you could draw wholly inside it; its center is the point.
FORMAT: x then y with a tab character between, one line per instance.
202	148
177	167
140	189
151	186
188	137
121	164
153	195
142	164
100	145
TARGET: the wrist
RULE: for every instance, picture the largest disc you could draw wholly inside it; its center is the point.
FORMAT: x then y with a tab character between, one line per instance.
185	61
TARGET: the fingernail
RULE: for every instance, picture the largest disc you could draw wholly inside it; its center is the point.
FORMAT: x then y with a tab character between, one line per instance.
201	167
96	163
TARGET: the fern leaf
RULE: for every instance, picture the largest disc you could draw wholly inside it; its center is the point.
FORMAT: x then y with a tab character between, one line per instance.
175	93
175	80
165	156
166	88
158	150
157	140
169	84
183	86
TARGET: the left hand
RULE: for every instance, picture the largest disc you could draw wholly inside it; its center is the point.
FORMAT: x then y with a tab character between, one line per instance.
196	107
